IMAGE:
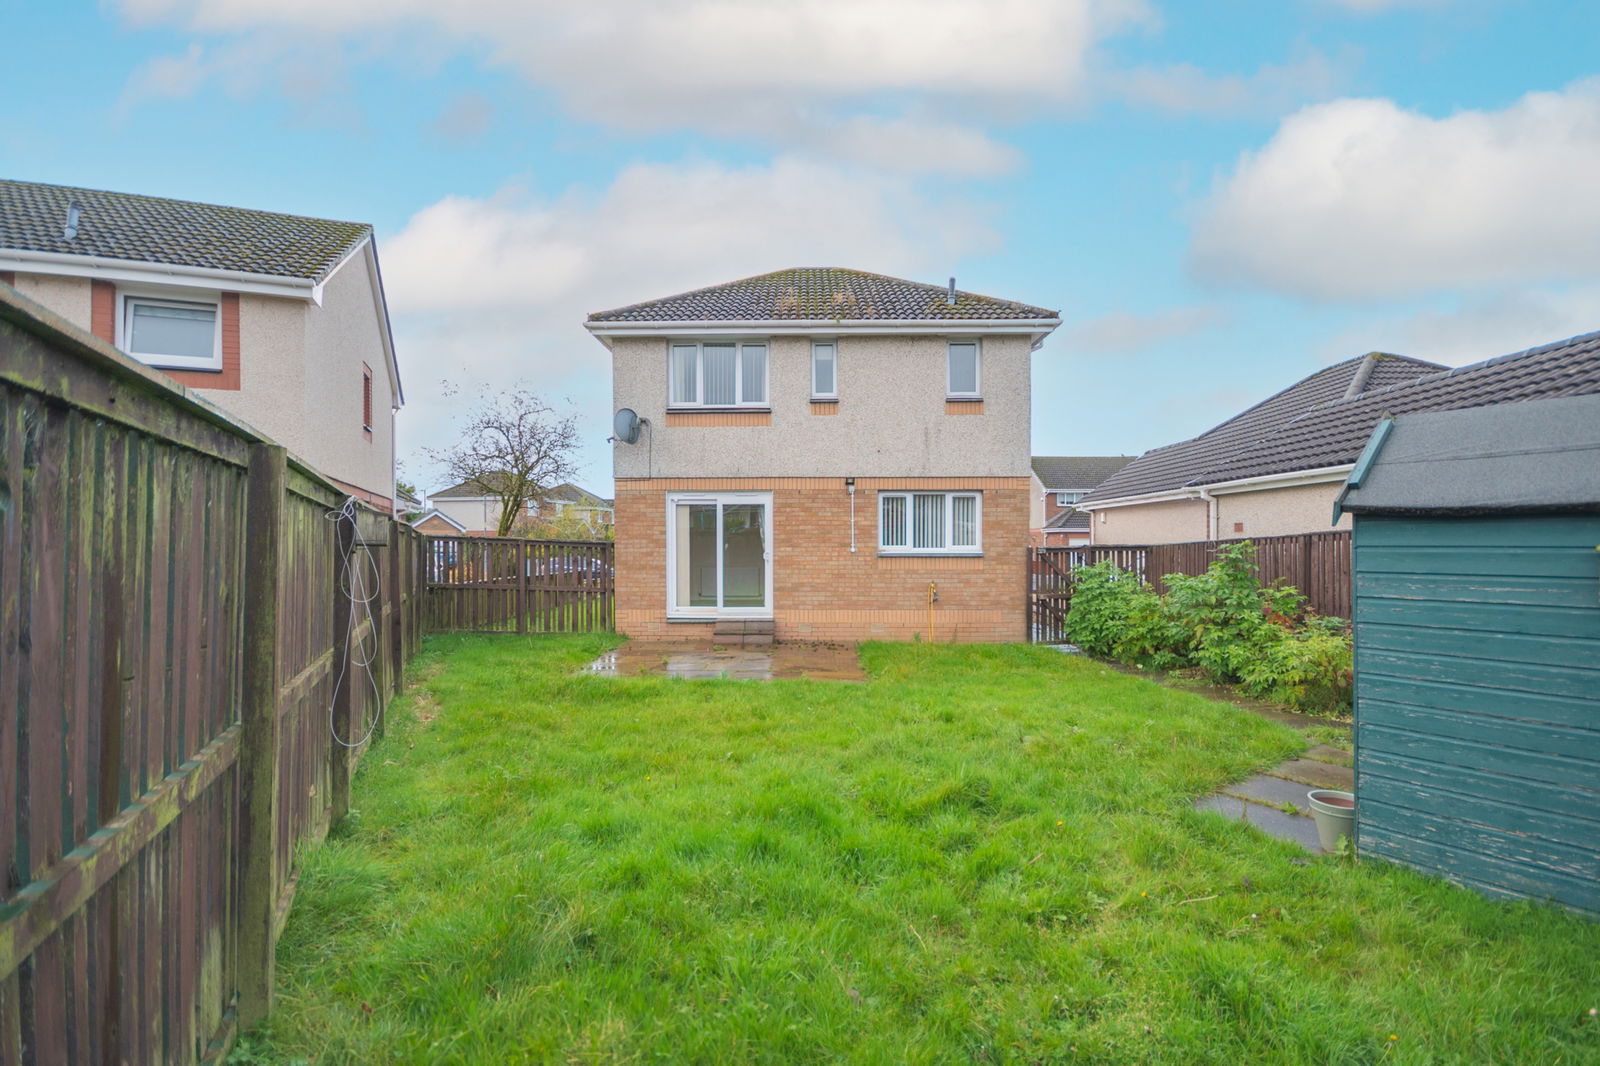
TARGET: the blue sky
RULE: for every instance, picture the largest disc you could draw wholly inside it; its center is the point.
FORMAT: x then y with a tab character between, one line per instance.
1220	197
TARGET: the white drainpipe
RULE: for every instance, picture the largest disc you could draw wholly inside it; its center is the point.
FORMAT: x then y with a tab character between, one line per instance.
1211	514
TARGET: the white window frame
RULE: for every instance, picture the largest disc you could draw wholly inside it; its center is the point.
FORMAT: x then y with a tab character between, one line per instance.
977	369
721	498
817	394
142	294
738	375
949	523
1067	499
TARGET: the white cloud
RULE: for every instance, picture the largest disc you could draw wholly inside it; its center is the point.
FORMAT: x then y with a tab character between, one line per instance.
791	72
1128	331
495	290
1360	199
1475	329
1369	7
466	117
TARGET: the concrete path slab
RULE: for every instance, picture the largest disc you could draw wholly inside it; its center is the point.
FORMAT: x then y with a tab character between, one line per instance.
1295	827
1328	753
1317	774
1264	788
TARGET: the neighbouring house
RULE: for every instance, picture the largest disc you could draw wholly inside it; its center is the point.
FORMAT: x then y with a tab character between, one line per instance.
278	319
1477	646
1059	482
473	509
439	524
1276	468
824	454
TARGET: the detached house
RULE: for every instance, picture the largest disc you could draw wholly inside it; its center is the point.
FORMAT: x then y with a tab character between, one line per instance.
1277	468
469	508
833	454
1059	482
279	319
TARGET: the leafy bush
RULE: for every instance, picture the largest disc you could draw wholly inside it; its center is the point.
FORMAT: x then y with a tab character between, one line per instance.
1117	616
1311	670
1222	621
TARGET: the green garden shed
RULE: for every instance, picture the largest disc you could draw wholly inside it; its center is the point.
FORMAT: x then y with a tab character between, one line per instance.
1477	646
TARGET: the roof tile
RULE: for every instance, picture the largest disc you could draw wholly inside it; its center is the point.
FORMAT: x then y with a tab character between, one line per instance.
824	294
153	229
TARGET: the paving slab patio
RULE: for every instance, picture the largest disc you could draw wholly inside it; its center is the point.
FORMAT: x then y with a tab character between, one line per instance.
701	661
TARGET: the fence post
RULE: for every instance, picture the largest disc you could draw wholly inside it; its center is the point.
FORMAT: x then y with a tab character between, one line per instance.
397	608
266	486
340	756
524	560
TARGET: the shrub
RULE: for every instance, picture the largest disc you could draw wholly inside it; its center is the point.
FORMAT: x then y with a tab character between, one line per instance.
1312	670
1222	621
1117	616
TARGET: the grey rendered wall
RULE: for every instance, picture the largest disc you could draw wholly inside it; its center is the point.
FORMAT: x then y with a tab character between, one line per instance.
891	418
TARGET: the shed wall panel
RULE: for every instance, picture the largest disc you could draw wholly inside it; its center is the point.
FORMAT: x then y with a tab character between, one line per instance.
1478	700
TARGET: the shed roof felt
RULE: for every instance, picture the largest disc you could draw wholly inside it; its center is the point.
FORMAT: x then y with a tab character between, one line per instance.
1076	473
1249	433
823	294
1540	455
154	229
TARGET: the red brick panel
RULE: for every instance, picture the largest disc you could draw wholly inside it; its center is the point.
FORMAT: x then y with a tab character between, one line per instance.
103	310
821	590
8	277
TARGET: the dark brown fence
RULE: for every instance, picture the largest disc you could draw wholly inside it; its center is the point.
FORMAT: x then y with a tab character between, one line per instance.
1318	564
175	609
508	585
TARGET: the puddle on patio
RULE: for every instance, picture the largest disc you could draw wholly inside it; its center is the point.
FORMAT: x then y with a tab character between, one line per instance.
817	662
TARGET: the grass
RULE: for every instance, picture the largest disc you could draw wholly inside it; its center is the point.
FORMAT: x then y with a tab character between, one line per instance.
984	854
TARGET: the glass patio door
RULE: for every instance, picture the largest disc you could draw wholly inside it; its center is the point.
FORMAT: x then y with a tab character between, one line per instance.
719	559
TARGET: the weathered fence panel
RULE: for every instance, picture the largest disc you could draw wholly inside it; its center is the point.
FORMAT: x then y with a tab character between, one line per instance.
141	800
509	585
1318	564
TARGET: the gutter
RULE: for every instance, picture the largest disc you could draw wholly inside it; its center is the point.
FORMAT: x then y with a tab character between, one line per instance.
94	266
1316	476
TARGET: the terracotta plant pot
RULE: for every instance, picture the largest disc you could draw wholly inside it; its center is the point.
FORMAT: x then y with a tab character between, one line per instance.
1335	815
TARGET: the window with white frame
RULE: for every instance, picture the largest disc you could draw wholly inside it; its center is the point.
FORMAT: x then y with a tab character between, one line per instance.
1063	499
963	379
930	523
182	334
824	371
717	374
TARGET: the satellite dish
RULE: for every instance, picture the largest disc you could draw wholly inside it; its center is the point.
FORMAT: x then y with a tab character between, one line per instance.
626	425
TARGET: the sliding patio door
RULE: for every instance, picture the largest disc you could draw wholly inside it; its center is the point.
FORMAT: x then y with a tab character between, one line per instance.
719	555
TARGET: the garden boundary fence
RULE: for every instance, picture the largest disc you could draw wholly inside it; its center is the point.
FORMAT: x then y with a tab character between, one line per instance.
510	585
1318	564
175	613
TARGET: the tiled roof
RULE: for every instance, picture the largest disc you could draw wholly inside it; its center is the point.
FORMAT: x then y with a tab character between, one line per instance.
1333	433
1076	473
824	294
566	492
1072	521
1192	462
151	229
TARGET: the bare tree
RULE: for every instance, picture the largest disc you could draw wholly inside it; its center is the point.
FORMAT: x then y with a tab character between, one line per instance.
514	447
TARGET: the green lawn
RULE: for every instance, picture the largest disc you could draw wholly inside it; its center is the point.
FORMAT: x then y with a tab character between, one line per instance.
984	854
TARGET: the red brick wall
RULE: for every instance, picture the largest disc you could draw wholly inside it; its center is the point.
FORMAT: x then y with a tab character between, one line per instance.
821	591
103	310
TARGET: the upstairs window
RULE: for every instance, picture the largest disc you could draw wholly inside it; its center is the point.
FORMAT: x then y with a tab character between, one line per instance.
963	379
824	371
1064	499
717	374
930	523
366	398
180	334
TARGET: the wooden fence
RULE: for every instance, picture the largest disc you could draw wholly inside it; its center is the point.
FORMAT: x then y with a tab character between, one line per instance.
175	610
1318	564
503	584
